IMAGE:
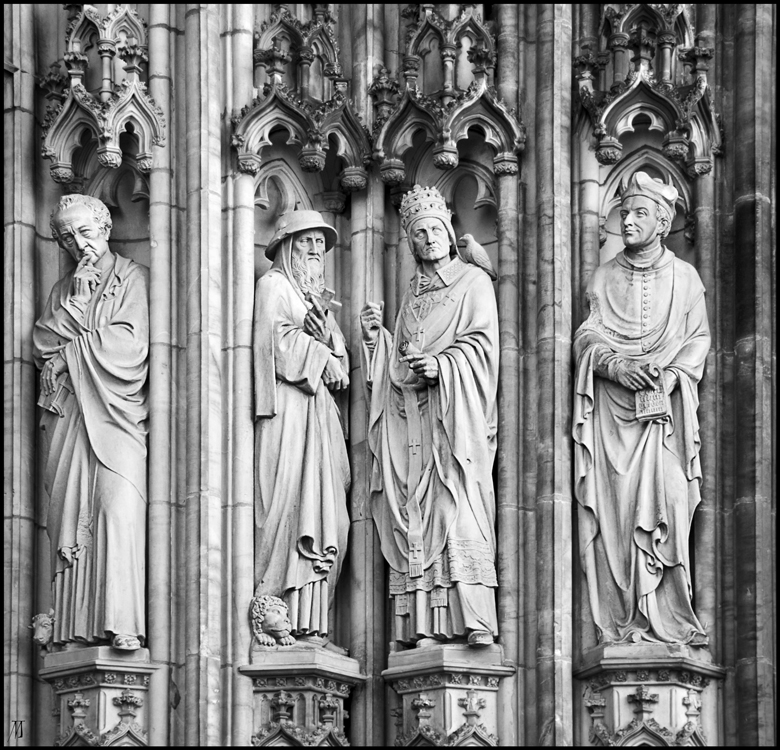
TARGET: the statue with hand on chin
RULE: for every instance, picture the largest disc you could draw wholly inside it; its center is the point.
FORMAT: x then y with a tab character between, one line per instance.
91	344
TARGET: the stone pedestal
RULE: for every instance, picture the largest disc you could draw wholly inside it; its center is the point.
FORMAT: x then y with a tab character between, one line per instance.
101	695
449	694
653	694
299	695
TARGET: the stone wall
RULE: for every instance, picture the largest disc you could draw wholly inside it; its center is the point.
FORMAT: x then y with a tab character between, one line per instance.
528	141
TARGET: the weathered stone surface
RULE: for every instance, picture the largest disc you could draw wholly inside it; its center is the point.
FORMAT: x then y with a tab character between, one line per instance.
201	225
656	692
432	430
300	694
449	694
101	695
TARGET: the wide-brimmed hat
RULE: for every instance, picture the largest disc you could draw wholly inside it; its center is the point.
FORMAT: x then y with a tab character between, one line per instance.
296	221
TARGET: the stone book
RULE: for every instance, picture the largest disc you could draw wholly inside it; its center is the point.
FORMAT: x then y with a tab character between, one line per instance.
652	403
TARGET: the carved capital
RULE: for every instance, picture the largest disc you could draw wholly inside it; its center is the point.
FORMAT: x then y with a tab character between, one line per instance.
353	179
676	147
505	164
306	55
144	163
61	174
609	151
312	159
249	163
392	171
334	201
106	48
618	41
76	63
445	157
110	157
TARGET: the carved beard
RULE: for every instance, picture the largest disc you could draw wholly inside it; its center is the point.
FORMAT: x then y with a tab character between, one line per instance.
307	273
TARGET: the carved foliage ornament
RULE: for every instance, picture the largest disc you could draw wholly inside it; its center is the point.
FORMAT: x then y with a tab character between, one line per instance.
445	115
682	109
310	122
119	105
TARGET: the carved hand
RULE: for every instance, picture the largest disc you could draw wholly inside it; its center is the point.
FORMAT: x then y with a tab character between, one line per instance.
334	376
371	321
51	370
314	323
635	375
85	279
424	366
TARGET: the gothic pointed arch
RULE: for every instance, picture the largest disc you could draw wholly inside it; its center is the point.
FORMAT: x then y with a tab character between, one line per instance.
285	50
288	184
640	160
119	106
677	98
478	107
443	115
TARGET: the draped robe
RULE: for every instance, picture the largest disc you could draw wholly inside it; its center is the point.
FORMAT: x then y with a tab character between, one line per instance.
637	483
302	468
433	448
95	453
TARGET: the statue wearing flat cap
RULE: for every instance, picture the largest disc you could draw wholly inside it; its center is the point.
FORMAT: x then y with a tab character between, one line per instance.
432	434
302	470
639	358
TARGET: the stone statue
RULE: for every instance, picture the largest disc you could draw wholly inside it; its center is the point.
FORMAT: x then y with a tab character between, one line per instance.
432	433
639	358
302	469
43	630
271	621
92	343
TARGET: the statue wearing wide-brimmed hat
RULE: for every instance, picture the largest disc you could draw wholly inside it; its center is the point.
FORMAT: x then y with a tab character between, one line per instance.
639	358
302	470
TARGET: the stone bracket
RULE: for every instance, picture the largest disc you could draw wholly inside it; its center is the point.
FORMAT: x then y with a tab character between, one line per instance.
655	694
299	695
101	695
449	694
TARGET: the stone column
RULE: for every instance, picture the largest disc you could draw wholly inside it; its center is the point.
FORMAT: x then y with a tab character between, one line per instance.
618	44
239	356
510	419
754	522
368	588
159	550
705	528
554	334
19	374
204	470
528	206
